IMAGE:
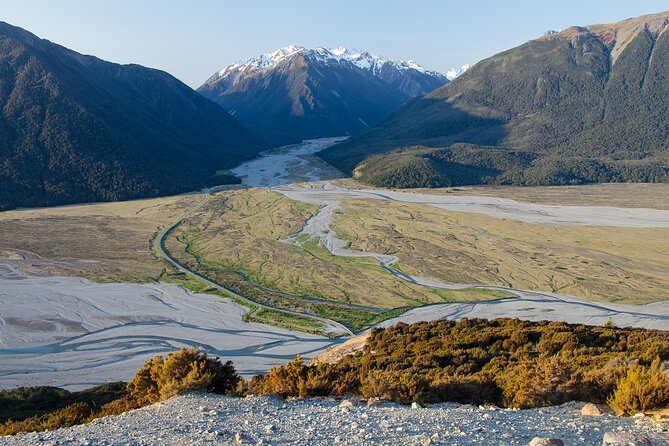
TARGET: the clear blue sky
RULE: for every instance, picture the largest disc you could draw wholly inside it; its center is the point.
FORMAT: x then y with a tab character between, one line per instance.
193	39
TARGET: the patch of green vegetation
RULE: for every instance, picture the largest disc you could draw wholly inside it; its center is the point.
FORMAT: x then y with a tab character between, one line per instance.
380	317
472	294
355	319
25	402
285	320
196	285
312	247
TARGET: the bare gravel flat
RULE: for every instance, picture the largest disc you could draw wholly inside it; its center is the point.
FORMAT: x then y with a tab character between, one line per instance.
201	419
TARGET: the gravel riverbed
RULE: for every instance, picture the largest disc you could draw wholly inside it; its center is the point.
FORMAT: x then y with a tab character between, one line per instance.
195	419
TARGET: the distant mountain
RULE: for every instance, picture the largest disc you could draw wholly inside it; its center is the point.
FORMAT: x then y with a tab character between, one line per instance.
587	104
296	93
75	128
456	72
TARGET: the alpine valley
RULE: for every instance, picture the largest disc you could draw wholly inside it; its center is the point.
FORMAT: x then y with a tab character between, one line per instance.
326	246
295	93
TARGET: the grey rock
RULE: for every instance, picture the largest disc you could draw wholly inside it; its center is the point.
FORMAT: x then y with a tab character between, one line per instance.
625	439
538	441
590	410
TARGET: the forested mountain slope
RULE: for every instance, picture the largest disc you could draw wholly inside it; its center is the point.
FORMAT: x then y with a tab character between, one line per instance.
588	104
75	128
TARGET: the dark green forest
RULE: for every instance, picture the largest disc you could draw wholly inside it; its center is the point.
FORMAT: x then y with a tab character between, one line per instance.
74	128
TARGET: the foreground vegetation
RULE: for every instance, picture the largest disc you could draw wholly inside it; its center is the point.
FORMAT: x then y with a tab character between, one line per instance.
159	379
506	362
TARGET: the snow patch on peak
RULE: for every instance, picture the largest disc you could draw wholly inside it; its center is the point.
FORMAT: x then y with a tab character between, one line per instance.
361	59
339	51
263	61
550	32
456	72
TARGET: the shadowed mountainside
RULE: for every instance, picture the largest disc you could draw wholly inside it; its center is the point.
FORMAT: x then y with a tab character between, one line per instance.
75	128
295	93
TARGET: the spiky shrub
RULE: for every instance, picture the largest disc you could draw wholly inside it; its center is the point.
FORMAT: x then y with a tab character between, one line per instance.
640	389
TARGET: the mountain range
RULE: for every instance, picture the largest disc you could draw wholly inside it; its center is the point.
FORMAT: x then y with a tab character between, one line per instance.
295	93
587	104
75	128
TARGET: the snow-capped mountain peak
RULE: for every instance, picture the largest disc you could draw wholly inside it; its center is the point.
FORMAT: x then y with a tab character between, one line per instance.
295	93
361	59
456	71
263	61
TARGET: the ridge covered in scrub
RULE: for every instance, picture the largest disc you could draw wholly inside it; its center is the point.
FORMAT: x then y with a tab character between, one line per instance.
588	104
506	362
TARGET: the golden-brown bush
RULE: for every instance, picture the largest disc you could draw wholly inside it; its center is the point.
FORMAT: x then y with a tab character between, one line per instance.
504	361
182	371
640	389
158	379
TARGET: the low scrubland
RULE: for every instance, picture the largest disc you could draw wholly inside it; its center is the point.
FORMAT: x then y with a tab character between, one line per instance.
506	362
158	379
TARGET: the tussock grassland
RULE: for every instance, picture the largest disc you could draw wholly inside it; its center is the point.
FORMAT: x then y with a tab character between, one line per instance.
242	231
596	263
101	241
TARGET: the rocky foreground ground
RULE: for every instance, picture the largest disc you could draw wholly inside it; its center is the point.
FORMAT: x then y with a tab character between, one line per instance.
195	419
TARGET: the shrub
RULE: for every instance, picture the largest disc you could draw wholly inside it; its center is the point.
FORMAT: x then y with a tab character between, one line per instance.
158	379
26	402
187	369
286	380
641	389
76	413
504	361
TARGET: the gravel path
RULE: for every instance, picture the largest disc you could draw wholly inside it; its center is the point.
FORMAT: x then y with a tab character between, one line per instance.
210	419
